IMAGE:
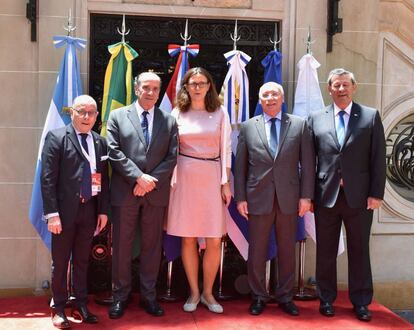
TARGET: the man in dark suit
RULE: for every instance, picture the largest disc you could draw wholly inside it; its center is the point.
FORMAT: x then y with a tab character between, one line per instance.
142	143
350	149
75	193
274	182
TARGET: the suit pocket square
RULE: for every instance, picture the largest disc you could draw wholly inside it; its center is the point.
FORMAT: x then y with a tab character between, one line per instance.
103	158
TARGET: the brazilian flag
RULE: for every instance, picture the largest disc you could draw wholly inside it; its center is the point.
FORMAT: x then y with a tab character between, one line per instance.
118	85
119	91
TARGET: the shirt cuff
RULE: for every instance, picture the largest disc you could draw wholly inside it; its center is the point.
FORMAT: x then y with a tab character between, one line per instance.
50	215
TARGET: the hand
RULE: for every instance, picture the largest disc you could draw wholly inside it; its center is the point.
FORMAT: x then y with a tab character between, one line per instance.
147	182
226	193
242	208
102	221
305	205
312	209
373	203
54	225
138	191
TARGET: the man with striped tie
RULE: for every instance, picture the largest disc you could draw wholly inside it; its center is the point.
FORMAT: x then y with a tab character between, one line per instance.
350	179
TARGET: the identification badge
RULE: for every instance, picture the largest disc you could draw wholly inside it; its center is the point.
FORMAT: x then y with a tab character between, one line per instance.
96	182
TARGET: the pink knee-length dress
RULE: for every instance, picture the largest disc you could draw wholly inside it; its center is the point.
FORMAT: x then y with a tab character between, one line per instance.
196	208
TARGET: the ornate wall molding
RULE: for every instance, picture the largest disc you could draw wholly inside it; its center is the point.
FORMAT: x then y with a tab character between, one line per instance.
396	103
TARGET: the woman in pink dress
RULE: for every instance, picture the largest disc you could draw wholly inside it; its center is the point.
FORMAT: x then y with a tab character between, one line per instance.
200	191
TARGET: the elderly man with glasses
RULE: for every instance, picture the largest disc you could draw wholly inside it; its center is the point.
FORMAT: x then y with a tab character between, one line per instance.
75	195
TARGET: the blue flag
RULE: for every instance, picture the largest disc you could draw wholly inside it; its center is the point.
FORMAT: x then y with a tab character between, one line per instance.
68	86
272	64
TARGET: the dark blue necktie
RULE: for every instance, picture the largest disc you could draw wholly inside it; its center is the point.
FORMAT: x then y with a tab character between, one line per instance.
273	137
144	125
340	129
86	187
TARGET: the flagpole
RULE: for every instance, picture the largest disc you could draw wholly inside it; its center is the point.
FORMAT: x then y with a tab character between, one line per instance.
168	296
220	294
69	303
123	31
302	292
275	42
113	98
234	96
172	244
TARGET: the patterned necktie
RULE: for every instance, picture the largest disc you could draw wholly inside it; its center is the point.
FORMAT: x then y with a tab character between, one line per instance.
340	129
144	125
86	186
273	137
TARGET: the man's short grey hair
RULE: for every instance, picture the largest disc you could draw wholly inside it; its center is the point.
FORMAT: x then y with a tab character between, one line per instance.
273	85
144	76
340	72
84	100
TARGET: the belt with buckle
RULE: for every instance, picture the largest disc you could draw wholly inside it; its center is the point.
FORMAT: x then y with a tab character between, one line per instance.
215	159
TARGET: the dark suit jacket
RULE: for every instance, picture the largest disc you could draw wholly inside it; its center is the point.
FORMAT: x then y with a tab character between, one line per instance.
360	162
258	177
130	157
62	168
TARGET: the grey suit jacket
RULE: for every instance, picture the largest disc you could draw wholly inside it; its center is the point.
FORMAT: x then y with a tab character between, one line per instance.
130	157
259	177
62	168
360	162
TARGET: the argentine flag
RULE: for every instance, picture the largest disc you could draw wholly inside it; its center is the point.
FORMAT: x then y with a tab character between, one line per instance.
68	86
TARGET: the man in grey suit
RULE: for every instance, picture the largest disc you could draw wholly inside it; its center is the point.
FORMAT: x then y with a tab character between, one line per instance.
274	183
142	142
350	149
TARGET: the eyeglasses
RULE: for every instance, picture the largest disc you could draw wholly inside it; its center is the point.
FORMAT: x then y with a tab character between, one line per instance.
84	113
194	85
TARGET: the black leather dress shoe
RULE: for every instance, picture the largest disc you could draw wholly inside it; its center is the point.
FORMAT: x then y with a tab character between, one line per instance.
152	307
60	320
257	307
117	309
326	309
289	308
363	313
82	313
